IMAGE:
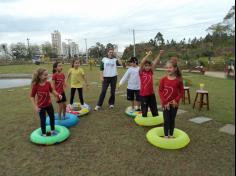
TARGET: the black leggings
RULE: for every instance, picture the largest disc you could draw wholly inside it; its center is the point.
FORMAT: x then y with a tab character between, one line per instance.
149	101
169	120
42	115
72	94
105	84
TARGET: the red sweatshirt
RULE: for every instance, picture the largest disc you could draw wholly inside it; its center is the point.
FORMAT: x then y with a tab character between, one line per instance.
59	79
146	82
170	90
43	94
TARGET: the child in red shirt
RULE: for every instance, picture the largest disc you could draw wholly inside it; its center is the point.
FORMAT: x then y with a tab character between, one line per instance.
42	89
171	90
58	84
147	95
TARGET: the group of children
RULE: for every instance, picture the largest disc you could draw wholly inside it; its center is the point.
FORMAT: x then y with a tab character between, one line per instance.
139	91
41	89
140	85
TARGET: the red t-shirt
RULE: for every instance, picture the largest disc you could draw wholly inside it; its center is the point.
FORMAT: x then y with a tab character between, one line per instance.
59	79
170	90
43	94
146	82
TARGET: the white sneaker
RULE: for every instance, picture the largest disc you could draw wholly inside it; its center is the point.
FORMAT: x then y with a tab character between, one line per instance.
132	110
111	106
97	108
85	106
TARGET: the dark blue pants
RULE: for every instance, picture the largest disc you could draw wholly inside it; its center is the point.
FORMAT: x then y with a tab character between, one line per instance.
169	120
72	94
42	115
149	101
105	84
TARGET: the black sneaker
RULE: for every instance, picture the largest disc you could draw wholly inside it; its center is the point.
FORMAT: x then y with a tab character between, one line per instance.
48	134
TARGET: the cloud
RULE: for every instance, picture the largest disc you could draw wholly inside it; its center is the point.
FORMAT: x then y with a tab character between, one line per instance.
107	21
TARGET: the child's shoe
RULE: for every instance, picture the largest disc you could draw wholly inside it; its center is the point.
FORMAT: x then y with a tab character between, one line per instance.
97	108
54	133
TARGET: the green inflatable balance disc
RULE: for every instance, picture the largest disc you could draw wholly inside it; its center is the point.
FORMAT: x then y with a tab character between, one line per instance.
149	120
62	134
131	113
156	137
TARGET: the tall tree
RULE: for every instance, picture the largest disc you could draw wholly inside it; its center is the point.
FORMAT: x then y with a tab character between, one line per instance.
159	40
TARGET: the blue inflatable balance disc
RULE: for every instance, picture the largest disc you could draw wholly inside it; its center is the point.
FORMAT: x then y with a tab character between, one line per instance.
69	121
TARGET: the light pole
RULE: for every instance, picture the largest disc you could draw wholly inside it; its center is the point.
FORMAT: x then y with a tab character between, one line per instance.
134	42
86	50
28	47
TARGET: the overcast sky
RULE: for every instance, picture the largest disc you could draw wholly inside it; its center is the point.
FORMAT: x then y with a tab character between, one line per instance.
107	21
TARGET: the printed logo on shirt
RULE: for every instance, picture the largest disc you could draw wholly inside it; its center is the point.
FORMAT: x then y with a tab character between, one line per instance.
168	91
42	97
110	64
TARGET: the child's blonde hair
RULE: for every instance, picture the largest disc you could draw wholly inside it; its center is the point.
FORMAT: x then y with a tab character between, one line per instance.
37	74
173	61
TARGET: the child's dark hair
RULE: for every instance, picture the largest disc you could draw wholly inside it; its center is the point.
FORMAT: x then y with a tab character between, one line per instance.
73	62
173	61
54	67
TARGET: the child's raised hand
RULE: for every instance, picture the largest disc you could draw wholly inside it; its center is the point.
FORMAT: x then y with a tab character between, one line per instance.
148	53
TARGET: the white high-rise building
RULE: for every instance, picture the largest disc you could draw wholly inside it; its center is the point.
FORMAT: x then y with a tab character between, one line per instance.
56	42
65	50
72	48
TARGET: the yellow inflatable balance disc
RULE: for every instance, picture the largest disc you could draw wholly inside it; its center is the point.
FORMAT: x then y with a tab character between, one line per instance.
78	110
149	120
132	113
156	137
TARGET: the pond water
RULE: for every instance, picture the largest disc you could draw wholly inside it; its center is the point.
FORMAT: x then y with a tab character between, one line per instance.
8	83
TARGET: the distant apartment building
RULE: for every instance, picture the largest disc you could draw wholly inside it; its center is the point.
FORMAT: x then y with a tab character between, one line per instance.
71	49
74	49
56	42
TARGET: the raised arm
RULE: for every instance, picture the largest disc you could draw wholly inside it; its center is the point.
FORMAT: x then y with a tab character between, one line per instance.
124	78
157	59
145	59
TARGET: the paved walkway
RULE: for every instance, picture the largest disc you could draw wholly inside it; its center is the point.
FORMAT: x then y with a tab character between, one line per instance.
215	74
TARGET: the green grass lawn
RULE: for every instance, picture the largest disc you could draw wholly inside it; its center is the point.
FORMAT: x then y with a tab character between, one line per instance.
110	143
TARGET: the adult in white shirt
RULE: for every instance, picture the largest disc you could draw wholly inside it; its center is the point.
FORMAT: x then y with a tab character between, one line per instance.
108	75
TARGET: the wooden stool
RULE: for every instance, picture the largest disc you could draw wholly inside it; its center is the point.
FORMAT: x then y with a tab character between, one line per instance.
201	101
186	89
